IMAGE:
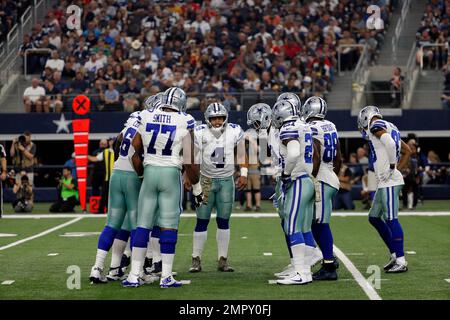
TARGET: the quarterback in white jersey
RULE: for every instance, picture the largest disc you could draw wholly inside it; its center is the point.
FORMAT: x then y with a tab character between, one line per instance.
163	134
326	183
217	145
387	150
124	189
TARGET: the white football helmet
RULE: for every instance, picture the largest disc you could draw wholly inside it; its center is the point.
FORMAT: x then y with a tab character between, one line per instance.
216	110
365	115
283	111
174	98
259	116
293	98
314	107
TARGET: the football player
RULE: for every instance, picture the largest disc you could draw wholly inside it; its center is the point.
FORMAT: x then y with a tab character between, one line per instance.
218	143
124	189
327	183
168	137
298	153
389	154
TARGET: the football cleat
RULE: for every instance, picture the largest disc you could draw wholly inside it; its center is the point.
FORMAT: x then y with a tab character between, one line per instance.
169	282
397	268
391	262
223	265
115	274
132	281
289	270
297	279
97	276
196	265
149	278
327	272
148	264
156	268
125	262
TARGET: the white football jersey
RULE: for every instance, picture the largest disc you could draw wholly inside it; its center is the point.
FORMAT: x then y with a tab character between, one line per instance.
126	151
302	132
216	154
325	132
274	145
379	155
162	136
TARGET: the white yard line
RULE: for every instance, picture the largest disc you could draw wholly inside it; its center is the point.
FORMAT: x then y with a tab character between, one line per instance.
234	215
363	283
43	233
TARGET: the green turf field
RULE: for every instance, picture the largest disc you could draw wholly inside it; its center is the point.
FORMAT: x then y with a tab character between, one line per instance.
39	276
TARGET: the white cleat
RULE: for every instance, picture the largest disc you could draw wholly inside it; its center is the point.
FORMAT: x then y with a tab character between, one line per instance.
169	282
316	256
132	281
97	276
297	279
288	271
116	274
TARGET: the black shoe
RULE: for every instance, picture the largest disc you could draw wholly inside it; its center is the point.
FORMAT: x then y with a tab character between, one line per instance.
327	272
148	264
156	268
247	209
223	266
124	262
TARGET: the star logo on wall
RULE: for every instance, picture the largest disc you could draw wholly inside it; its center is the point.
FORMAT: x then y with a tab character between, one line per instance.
63	124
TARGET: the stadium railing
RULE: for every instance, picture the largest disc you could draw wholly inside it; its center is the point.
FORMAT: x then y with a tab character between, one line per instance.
399	27
430	45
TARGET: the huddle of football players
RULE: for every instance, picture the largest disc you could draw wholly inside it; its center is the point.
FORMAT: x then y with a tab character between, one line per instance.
161	151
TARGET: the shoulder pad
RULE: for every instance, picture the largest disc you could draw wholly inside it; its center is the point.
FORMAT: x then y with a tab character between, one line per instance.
377	126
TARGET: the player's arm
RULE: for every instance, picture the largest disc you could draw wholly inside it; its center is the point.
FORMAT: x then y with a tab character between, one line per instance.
192	170
136	160
242	161
389	144
316	157
293	153
116	146
337	162
2	164
405	153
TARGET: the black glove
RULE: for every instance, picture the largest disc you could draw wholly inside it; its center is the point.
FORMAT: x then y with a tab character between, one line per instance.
198	200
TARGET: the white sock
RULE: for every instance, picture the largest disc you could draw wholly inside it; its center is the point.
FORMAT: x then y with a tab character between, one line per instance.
299	253
292	262
223	239
100	258
156	249
199	243
401	260
149	254
127	251
137	260
410	200
118	248
309	254
167	263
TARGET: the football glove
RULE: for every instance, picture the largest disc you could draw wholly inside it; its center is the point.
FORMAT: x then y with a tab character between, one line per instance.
198	200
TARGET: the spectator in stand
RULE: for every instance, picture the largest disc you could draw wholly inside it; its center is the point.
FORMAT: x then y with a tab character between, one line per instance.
361	155
53	98
55	63
33	97
396	88
111	98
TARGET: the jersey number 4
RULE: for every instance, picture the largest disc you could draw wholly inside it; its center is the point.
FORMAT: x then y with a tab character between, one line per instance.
218	157
161	129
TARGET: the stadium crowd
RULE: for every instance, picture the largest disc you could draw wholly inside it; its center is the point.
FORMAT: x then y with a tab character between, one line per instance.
10	12
214	50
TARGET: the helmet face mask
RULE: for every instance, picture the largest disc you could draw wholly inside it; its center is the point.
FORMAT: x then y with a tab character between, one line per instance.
259	116
174	98
216	110
292	98
283	111
314	107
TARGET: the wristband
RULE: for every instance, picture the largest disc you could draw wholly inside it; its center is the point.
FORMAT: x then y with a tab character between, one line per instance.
244	172
197	189
392	166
